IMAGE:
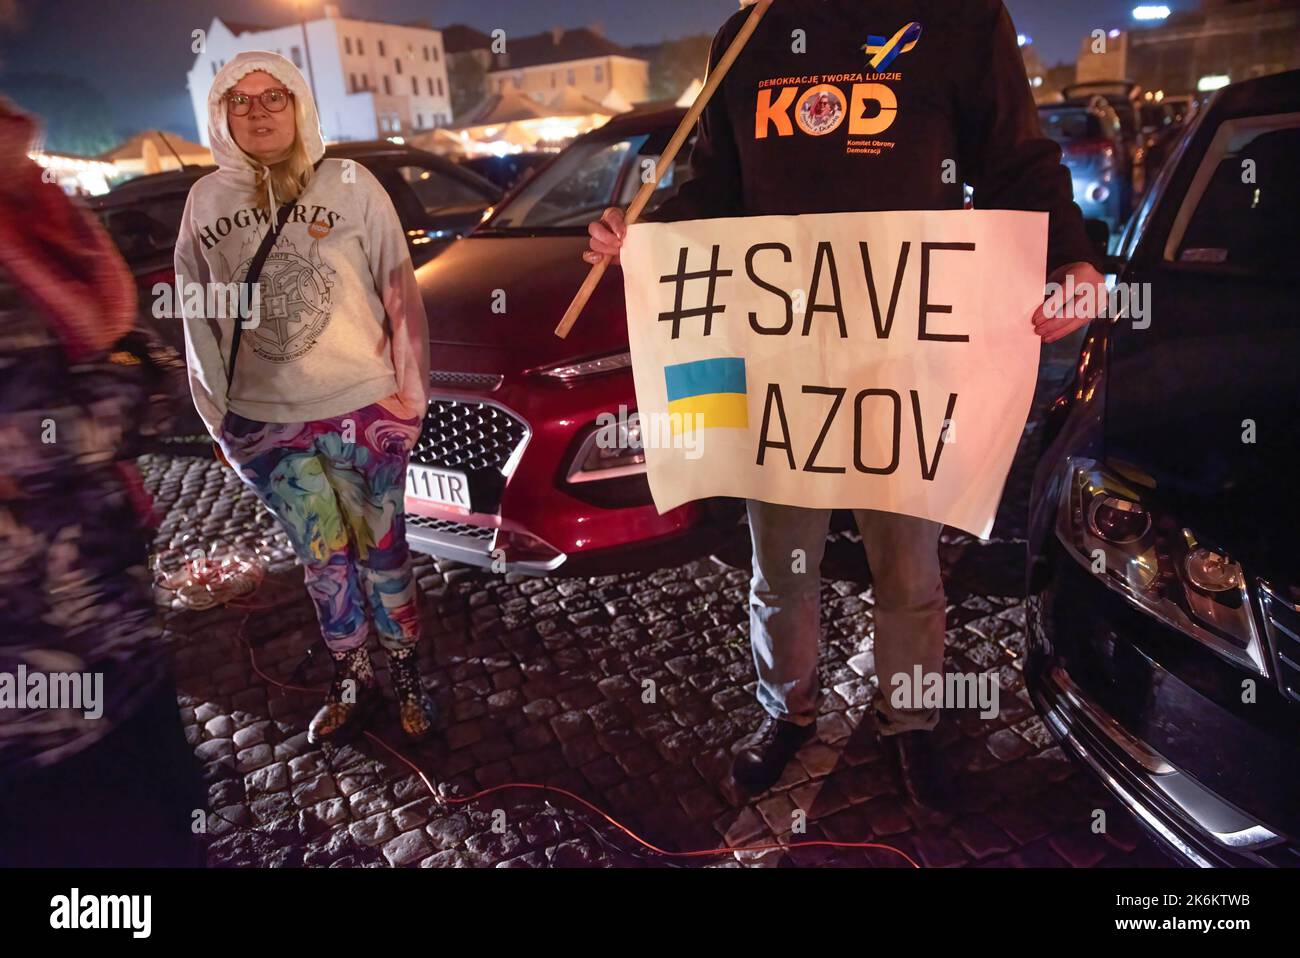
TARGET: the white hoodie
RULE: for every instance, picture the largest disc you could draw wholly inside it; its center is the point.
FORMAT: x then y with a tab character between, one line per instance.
341	324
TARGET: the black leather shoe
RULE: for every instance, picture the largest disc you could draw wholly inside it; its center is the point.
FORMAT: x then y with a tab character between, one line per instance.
925	777
762	756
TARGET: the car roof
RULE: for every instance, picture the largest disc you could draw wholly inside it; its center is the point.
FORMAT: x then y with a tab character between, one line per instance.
1275	93
375	149
645	120
170	181
1094	105
149	185
1127	89
355	148
187	174
1111	100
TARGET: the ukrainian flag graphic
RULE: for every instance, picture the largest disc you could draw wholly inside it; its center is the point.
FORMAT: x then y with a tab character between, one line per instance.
713	388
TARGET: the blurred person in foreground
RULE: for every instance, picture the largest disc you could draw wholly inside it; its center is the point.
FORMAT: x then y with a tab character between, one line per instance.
110	780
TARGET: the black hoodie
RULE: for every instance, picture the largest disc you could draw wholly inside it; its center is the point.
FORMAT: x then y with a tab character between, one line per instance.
891	105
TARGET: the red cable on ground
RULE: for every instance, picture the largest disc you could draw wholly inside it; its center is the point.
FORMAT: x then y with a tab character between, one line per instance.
447	802
211	579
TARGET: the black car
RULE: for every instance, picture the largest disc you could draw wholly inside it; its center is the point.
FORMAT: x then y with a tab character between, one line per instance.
436	200
1164	579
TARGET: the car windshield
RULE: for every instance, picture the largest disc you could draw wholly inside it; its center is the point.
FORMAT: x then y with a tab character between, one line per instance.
1065	125
585	179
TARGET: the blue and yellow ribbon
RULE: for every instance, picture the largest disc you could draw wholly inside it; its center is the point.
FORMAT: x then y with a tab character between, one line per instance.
882	52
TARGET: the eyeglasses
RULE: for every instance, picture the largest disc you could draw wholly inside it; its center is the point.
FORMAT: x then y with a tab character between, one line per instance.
274	100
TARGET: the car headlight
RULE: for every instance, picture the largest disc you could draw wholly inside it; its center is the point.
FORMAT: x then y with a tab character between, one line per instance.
612	450
1112	528
567	372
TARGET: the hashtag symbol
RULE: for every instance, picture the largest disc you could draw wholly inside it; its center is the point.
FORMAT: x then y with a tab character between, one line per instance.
680	278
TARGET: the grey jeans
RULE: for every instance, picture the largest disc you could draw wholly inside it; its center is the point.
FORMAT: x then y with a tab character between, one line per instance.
785	606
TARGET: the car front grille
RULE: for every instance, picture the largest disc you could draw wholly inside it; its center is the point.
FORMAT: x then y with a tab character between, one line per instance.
469	436
1282	623
453	377
448	527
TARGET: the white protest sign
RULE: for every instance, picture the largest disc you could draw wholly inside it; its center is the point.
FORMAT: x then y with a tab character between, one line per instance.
841	360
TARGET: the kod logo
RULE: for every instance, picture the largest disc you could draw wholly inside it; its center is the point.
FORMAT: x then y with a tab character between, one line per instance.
872	108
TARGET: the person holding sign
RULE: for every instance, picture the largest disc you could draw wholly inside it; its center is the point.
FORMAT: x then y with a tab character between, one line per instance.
841	106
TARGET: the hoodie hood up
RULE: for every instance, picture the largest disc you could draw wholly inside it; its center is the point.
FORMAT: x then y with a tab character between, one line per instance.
235	167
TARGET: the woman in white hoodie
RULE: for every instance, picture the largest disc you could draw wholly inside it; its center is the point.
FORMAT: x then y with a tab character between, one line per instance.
327	396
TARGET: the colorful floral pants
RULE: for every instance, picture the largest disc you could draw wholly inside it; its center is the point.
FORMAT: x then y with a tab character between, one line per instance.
337	486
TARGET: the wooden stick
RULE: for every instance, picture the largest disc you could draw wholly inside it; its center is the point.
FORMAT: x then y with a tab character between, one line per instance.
647	189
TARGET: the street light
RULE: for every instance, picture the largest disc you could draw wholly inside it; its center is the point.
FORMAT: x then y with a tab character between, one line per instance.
306	46
1150	12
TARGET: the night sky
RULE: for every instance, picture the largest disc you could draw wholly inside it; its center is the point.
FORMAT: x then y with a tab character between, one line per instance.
136	52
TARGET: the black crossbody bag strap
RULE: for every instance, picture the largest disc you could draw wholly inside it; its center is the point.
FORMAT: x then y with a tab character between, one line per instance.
255	273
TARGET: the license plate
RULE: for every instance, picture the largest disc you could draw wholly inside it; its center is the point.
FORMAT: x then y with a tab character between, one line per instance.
441	486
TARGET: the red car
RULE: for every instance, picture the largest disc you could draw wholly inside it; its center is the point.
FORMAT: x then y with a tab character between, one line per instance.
508	472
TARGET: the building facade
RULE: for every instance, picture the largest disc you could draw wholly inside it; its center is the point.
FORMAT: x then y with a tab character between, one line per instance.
1222	41
371	80
543	66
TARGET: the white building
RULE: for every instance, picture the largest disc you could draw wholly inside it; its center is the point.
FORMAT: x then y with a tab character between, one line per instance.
544	65
371	79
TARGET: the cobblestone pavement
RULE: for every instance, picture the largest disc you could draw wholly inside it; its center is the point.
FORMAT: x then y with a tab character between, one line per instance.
541	680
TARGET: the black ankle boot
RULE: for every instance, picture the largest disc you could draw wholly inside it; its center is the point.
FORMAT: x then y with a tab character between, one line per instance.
352	696
925	777
415	706
762	756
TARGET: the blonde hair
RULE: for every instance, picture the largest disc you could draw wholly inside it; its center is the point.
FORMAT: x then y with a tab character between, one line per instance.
288	178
